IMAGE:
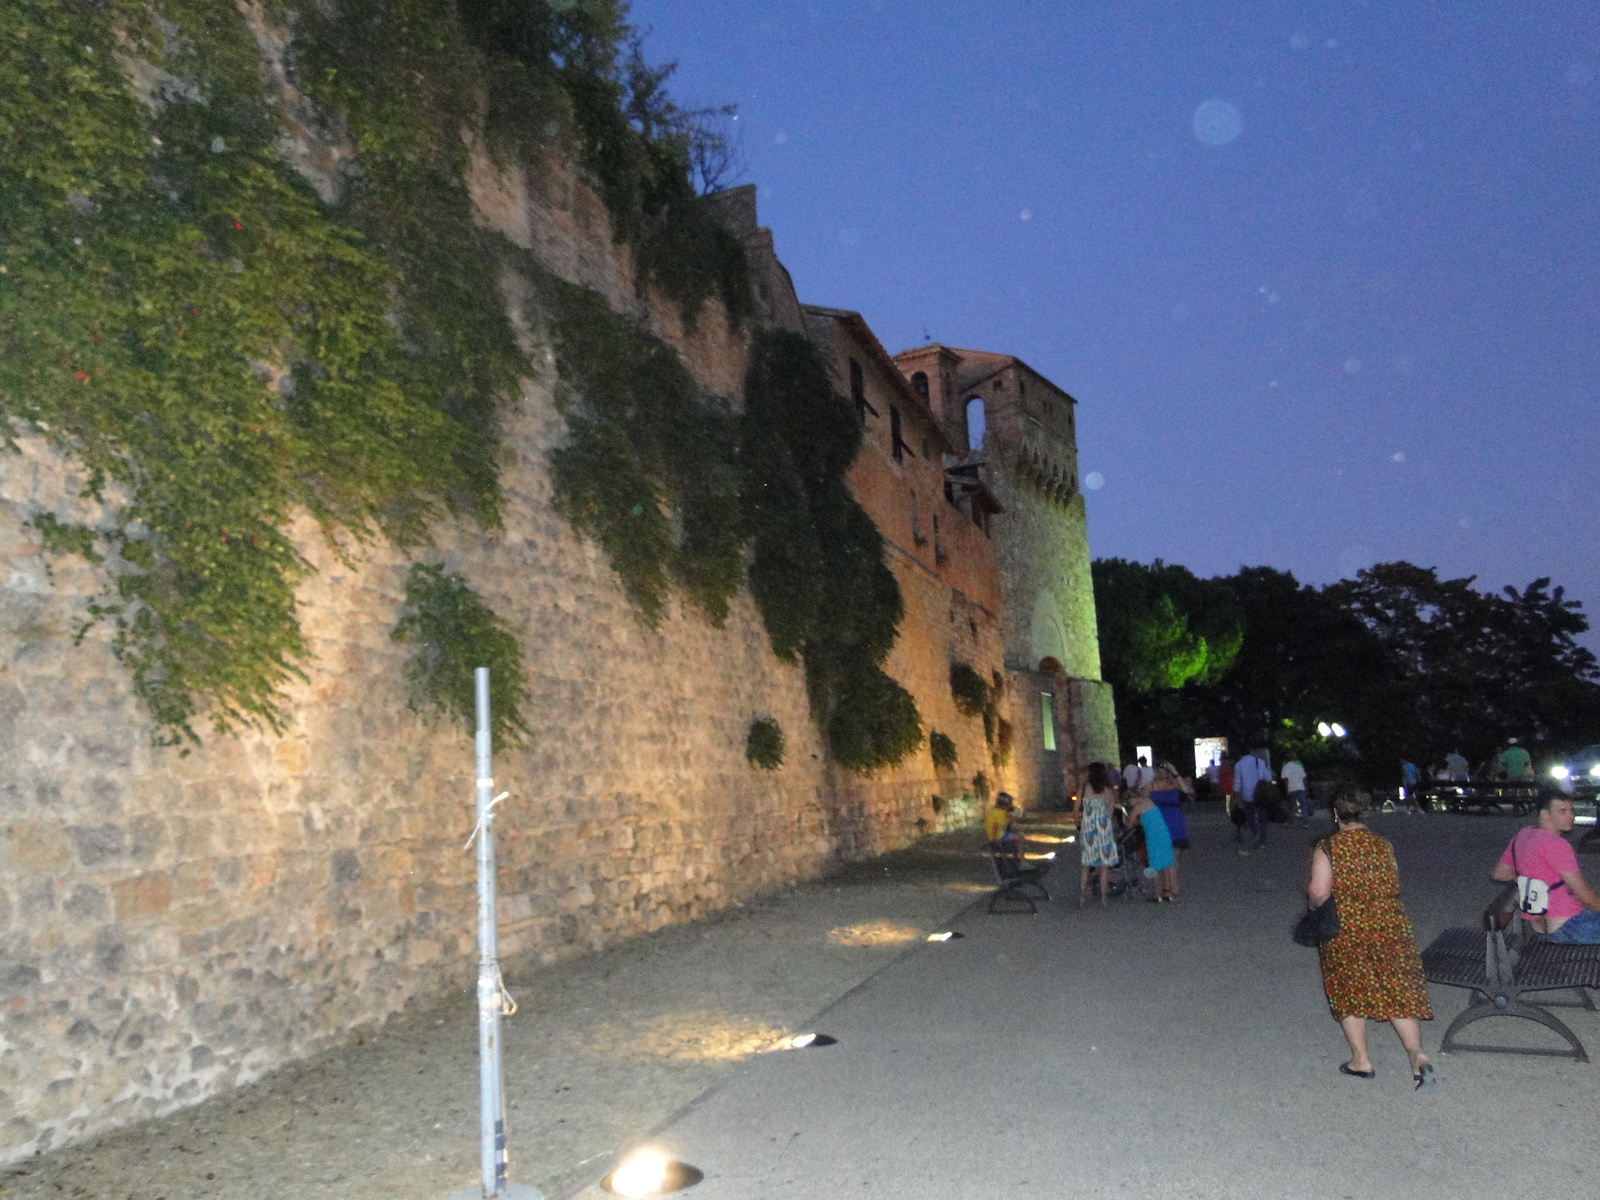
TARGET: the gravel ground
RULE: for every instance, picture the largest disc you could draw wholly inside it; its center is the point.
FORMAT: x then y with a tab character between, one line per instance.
602	1050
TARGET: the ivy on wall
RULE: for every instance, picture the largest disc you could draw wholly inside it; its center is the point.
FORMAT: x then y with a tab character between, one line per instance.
816	563
183	315
453	632
943	749
764	744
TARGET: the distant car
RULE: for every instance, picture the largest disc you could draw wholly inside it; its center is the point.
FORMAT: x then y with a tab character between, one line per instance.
1580	774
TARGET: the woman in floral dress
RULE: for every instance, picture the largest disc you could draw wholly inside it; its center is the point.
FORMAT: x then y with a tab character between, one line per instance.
1097	842
1372	969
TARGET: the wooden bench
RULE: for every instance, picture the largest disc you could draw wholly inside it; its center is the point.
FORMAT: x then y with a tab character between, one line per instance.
1014	881
1500	971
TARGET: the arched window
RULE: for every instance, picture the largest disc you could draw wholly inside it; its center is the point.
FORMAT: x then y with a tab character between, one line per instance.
919	384
975	423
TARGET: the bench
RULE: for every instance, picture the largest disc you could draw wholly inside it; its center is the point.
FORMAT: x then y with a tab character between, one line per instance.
1483	796
1500	971
1014	881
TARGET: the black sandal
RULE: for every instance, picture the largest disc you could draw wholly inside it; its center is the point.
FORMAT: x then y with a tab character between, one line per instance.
1425	1078
1346	1069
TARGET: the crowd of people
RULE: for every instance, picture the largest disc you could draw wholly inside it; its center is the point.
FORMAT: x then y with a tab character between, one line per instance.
1371	967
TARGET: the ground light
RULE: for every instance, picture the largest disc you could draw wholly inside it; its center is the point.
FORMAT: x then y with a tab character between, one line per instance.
801	1041
651	1173
945	936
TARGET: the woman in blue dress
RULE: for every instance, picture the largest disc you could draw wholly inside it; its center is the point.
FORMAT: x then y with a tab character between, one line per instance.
1161	868
1167	793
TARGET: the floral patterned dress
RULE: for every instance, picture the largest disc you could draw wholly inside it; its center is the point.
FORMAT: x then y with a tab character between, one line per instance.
1097	843
1372	969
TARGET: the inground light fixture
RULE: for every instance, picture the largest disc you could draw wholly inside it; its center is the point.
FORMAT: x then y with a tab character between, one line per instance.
945	936
801	1041
651	1173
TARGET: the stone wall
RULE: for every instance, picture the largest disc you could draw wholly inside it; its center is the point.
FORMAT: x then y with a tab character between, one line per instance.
172	925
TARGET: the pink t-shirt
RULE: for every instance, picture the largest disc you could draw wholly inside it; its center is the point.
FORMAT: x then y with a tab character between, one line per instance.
1547	856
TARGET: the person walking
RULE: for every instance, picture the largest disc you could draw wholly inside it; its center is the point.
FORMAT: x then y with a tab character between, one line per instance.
1097	840
1294	782
1249	774
1371	970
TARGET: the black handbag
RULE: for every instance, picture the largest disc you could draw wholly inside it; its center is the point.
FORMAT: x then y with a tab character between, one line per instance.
1319	925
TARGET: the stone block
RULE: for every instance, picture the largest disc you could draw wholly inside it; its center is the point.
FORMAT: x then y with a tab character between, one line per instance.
142	894
32	846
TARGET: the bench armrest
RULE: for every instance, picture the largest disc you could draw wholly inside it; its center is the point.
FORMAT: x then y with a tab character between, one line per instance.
1502	909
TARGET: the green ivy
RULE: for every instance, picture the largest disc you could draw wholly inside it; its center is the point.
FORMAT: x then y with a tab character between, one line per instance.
943	750
816	562
764	745
648	451
454	632
182	314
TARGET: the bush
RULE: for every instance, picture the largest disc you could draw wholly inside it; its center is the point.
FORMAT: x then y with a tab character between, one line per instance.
943	750
1000	751
764	744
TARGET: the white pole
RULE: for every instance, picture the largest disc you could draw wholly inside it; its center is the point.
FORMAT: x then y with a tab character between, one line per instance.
492	1184
491	1095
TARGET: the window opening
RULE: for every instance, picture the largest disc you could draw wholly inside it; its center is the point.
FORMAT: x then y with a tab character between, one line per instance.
939	555
975	423
897	444
919	384
1047	715
858	392
916	523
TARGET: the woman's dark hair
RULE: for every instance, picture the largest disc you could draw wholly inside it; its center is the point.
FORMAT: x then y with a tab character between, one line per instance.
1097	777
1349	803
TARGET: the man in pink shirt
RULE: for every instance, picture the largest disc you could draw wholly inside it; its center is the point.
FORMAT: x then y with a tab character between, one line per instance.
1557	899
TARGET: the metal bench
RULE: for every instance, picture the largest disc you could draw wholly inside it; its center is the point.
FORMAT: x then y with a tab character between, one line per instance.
1013	881
1499	971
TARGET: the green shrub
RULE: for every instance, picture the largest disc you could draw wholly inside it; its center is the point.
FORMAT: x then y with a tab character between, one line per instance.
454	632
980	787
764	745
943	750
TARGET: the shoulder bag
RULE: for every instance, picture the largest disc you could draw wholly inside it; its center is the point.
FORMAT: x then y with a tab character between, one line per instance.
1320	924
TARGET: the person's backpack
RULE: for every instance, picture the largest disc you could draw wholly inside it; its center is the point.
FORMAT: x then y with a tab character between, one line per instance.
1271	802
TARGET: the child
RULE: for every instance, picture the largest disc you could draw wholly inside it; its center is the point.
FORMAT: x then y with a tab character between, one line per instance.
1162	867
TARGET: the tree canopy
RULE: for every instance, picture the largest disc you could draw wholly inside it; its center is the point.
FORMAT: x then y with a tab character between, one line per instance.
1408	663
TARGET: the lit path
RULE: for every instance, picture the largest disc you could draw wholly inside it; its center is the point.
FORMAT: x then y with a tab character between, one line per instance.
1172	1051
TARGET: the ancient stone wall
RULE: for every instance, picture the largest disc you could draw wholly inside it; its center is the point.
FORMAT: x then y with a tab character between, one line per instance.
172	925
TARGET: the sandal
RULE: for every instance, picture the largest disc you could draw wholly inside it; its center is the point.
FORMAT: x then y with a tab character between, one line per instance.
1346	1069
1424	1077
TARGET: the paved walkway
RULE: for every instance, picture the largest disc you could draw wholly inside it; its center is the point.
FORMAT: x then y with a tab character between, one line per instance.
1174	1051
1181	1051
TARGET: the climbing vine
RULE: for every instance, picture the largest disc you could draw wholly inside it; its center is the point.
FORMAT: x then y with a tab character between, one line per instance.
816	560
453	632
221	348
943	749
764	744
650	466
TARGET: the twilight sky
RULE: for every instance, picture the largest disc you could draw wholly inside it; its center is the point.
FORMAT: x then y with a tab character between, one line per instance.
1324	279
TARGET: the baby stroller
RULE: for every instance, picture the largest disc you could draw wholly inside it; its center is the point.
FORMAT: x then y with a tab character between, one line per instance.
1127	877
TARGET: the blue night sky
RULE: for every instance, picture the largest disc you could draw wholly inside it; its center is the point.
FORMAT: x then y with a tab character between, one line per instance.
1365	328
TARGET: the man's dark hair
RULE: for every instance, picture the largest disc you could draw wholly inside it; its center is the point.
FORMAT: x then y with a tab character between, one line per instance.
1549	797
1098	780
